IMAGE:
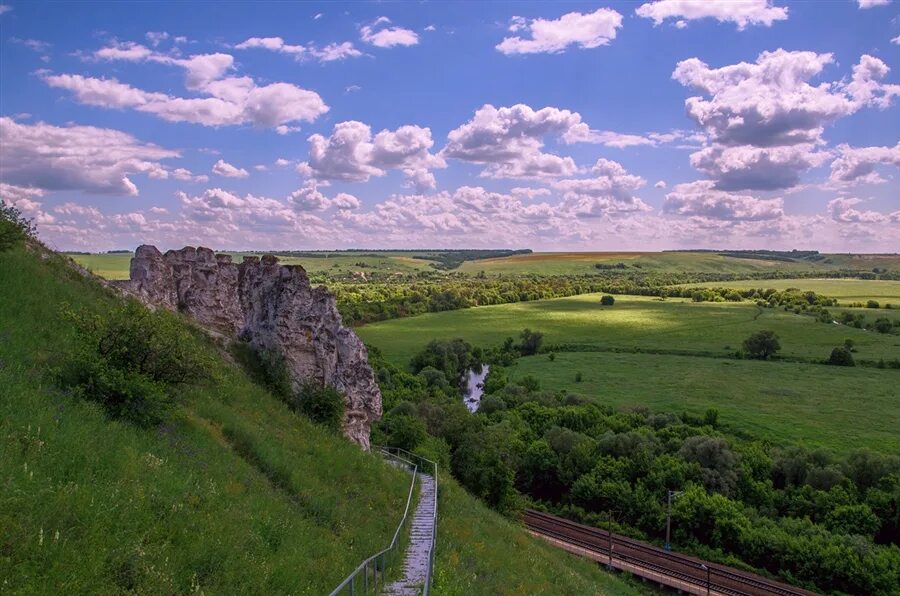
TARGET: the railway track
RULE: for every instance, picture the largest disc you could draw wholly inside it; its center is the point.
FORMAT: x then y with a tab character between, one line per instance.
656	563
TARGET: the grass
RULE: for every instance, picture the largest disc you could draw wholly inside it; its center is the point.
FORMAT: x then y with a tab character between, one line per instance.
234	494
107	266
813	405
635	322
572	263
846	290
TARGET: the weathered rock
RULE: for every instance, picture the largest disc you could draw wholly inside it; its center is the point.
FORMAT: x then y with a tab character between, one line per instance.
273	307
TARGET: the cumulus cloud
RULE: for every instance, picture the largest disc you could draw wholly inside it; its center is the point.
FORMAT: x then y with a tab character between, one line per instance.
766	119
844	210
857	164
352	153
309	198
582	133
379	34
223	168
587	31
230	100
660	184
740	12
156	37
188	176
508	141
896	40
610	190
86	158
328	53
757	168
702	199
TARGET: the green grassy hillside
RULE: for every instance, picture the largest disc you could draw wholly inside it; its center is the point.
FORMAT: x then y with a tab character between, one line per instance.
634	322
845	290
234	493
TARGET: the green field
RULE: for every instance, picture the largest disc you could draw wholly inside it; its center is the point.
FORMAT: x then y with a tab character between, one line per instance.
235	493
817	406
634	322
846	290
579	263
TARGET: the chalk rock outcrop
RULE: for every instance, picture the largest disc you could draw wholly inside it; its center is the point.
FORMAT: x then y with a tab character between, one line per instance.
271	306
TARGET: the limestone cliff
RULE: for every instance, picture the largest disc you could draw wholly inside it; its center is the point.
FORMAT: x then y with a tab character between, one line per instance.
271	306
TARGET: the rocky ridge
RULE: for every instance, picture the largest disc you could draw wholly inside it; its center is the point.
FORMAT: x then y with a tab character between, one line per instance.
271	306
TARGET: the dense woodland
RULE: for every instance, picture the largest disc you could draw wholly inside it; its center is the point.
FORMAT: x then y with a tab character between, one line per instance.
827	522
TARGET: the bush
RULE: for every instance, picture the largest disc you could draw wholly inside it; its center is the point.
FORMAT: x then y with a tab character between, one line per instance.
130	360
841	356
531	342
579	377
761	345
607	300
883	325
872	304
266	368
322	404
14	228
404	431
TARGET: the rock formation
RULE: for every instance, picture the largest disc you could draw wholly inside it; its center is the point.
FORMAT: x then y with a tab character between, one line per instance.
271	306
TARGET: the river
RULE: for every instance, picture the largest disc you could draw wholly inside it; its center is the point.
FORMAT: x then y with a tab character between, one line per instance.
475	387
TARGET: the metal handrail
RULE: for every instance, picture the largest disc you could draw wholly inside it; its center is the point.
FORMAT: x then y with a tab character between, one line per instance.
380	556
430	569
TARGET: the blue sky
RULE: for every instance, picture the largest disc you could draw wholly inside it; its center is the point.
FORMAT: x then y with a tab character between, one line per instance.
549	125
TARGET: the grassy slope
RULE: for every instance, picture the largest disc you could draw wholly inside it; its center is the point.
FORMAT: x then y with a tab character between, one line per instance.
846	290
835	407
236	494
634	321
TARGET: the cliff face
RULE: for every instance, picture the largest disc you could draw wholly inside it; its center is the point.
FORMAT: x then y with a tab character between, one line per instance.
271	306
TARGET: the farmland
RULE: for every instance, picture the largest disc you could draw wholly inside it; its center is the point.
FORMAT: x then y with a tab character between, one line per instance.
846	290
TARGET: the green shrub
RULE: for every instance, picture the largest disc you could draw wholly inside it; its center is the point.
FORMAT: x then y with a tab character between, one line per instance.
14	228
761	345
607	300
883	325
322	404
872	304
531	342
130	360
579	377
841	356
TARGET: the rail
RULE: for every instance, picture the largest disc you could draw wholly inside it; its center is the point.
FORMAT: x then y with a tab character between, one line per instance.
720	579
383	558
425	464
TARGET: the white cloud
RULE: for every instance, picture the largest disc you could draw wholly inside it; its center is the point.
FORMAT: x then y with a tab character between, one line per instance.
308	198
660	184
379	34
281	162
587	31
896	40
86	158
701	199
188	176
156	37
757	168
872	3
318	16
430	28
857	164
4	8
229	101
740	12
13	194
611	190
41	47
223	168
261	168
328	53
508	141
844	210
351	153
582	133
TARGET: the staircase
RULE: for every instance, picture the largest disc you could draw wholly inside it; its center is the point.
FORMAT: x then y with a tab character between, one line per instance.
421	541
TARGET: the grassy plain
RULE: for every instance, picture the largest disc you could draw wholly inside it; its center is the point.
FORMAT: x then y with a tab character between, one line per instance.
633	322
573	263
845	290
234	494
818	406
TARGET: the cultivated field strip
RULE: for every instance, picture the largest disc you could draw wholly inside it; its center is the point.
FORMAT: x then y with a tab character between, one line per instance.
656	561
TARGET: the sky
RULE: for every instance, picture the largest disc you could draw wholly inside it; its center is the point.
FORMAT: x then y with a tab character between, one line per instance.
666	124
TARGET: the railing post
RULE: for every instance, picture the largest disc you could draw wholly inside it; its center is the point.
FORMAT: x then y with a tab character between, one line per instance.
366	578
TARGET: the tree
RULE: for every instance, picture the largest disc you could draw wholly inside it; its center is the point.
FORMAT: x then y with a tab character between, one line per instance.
531	342
883	325
841	356
762	344
14	228
607	300
872	304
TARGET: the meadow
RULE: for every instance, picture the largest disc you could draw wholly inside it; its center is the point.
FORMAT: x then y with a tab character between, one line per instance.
634	322
234	493
845	290
833	407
